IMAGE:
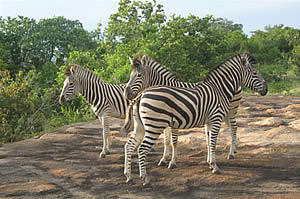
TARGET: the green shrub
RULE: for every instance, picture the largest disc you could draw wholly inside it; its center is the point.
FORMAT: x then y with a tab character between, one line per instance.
273	72
285	87
25	106
16	105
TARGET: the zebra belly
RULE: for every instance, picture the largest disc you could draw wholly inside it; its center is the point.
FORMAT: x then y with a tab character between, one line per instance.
117	114
164	107
108	112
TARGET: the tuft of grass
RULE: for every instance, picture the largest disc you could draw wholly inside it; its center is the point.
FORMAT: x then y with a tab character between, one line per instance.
68	115
285	87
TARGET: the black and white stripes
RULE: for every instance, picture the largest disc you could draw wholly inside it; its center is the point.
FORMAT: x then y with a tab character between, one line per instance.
105	99
207	104
146	73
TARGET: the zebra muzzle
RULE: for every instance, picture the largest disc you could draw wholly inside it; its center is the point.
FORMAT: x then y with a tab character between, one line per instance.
265	89
128	93
62	101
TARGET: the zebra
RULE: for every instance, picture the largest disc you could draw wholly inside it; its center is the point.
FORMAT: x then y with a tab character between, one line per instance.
206	104
146	72
105	99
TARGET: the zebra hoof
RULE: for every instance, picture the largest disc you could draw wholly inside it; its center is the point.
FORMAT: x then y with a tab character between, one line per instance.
215	169
230	157
128	180
162	163
146	181
102	155
172	165
127	174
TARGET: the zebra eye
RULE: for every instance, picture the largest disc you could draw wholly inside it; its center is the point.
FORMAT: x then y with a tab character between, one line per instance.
254	73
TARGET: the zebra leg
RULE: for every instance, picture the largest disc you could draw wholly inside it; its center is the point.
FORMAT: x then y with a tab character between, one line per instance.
167	137
145	147
207	128
174	134
133	142
231	121
106	137
213	135
233	127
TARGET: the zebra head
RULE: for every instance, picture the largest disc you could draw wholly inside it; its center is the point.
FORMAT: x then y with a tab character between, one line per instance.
70	88
252	77
137	81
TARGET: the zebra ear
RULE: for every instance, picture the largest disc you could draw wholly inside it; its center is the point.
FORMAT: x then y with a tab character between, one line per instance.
252	60
246	57
68	71
243	60
131	61
72	70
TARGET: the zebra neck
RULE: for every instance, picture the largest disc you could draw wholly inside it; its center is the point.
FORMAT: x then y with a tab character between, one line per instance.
88	87
227	86
162	76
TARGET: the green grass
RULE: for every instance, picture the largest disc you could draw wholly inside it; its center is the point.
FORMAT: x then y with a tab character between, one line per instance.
283	87
68	115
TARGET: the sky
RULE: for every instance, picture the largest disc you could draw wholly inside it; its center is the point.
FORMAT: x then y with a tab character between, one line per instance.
252	14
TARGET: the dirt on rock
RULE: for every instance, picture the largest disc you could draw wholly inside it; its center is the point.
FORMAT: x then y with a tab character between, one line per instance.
65	163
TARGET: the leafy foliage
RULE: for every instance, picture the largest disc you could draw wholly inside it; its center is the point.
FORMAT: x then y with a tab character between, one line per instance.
34	56
24	106
27	44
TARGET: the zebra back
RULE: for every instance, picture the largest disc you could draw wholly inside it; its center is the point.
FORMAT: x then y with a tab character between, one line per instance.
215	92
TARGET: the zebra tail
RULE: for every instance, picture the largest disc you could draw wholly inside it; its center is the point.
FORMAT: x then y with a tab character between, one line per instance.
129	123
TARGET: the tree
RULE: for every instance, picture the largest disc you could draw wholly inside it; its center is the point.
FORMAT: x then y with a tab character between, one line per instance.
135	22
56	37
133	29
4	54
16	34
228	25
183	44
192	45
32	44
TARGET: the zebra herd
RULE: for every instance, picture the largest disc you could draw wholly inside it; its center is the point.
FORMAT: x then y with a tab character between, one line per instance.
156	102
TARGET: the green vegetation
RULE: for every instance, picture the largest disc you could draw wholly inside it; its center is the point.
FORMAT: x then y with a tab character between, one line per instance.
34	55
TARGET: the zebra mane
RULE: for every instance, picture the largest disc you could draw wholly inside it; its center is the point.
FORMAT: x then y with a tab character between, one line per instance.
246	55
240	56
148	63
68	70
77	69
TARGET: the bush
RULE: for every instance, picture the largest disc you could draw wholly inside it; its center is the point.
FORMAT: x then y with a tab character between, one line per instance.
273	72
16	105
285	87
25	106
